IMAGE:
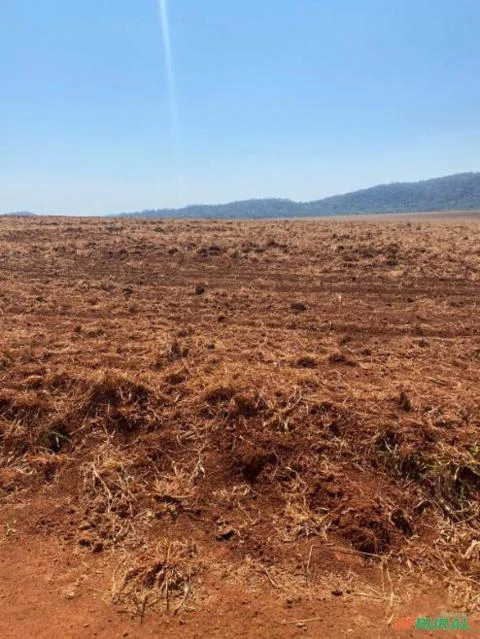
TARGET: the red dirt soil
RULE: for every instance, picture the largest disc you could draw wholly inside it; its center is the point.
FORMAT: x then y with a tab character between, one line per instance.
252	429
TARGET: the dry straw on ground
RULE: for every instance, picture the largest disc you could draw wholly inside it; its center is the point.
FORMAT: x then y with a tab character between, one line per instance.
321	389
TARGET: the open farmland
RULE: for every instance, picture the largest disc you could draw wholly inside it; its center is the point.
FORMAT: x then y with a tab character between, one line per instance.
255	429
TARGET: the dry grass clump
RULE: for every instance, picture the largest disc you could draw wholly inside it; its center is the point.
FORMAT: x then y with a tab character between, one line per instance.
299	521
448	474
341	358
159	579
21	419
111	488
175	491
123	404
171	352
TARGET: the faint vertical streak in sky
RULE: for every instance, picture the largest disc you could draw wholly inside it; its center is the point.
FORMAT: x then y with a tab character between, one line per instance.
172	91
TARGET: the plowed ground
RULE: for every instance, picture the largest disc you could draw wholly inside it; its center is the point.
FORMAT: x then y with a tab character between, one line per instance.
252	429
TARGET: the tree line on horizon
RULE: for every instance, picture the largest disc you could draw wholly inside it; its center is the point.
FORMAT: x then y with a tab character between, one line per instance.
452	193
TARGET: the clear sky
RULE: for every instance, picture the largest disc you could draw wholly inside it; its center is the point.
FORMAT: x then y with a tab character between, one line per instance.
275	98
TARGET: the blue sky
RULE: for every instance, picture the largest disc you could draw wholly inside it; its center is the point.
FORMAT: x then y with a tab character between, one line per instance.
297	98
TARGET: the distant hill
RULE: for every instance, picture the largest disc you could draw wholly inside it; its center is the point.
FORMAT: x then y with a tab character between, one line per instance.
18	214
460	192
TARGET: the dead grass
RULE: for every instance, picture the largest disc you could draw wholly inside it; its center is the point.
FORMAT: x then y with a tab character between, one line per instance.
161	579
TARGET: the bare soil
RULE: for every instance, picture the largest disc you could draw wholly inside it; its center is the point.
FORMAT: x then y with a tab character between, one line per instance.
249	429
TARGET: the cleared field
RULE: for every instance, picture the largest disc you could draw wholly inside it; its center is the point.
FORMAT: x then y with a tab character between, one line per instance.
255	429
